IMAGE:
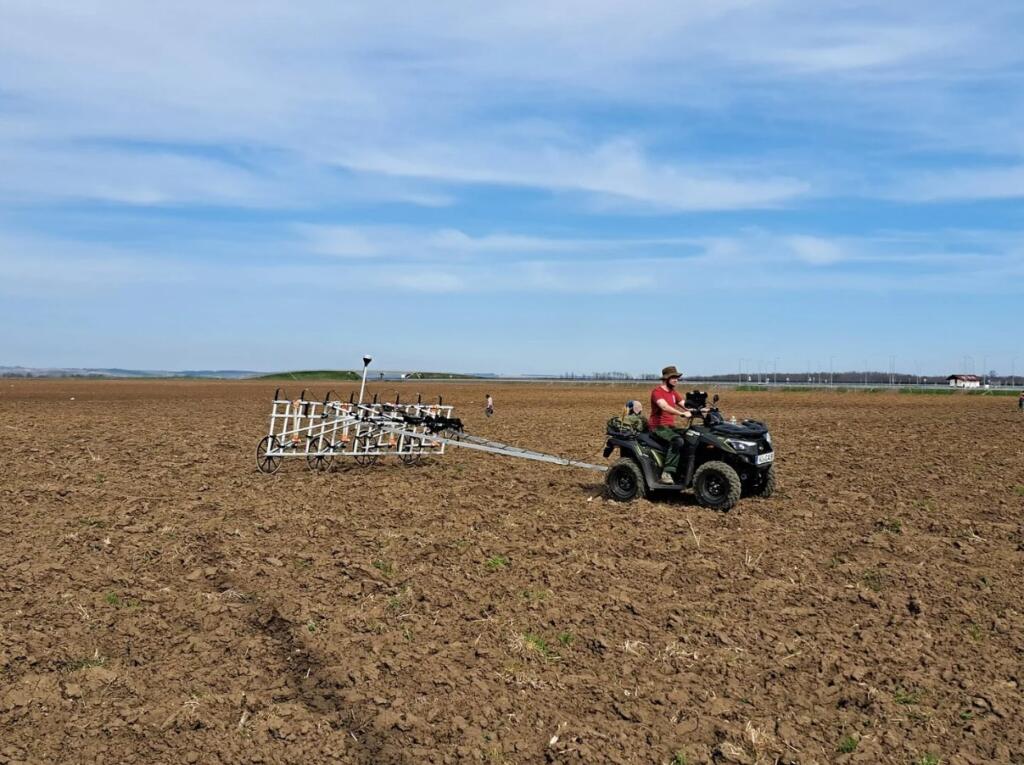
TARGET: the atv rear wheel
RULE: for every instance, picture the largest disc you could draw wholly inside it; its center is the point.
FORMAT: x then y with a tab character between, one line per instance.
717	486
624	481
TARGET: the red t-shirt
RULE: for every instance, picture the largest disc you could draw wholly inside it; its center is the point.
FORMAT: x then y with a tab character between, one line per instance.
660	418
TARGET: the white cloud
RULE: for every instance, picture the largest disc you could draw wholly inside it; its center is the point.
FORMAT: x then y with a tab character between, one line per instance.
615	169
410	242
49	267
126	177
963	184
585	99
964	262
969	261
815	250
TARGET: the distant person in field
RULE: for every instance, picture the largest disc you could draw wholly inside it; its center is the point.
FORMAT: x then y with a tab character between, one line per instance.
1020	402
666	405
489	406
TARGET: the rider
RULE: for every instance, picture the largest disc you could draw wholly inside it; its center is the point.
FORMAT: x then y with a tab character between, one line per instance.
666	405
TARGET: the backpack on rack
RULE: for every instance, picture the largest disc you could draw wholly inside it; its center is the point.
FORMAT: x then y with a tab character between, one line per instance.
627	425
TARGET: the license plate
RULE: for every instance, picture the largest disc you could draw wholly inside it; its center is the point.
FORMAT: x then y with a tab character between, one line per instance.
764	459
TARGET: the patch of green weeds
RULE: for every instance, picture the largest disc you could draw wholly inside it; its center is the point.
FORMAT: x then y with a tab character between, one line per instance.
534	596
113	599
496	562
967	715
903	696
93	522
314	625
536	644
975	631
1019	491
679	759
386	567
74	665
565	638
889	525
846	744
300	564
873	579
928	759
398	601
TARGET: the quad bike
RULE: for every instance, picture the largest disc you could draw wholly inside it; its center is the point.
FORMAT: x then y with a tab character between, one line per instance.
722	460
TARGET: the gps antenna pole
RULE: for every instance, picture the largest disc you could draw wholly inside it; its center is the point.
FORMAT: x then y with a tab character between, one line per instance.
362	388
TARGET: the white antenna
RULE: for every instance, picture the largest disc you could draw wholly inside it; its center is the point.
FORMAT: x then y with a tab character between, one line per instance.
366	363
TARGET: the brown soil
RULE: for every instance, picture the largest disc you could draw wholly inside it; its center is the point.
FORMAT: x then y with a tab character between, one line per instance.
162	601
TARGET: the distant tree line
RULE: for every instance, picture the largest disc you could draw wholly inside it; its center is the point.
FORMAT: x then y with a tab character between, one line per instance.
799	378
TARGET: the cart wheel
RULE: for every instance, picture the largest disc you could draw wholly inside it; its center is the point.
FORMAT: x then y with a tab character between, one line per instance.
412	459
266	462
364	460
320	461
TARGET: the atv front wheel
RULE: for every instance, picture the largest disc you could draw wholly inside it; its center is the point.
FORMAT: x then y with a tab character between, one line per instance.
765	485
717	486
624	481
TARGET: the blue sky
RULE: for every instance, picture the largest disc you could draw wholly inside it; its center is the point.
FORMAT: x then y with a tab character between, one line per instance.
583	186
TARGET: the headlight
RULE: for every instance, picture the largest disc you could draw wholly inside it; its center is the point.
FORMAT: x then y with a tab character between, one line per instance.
741	446
768	437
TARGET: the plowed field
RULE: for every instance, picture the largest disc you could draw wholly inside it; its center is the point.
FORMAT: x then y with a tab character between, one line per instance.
163	602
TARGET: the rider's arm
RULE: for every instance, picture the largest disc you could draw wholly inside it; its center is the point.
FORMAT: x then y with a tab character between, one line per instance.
667	407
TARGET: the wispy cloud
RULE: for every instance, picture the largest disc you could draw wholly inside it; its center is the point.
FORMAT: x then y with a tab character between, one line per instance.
411	242
246	155
432	98
52	268
962	184
885	260
616	169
